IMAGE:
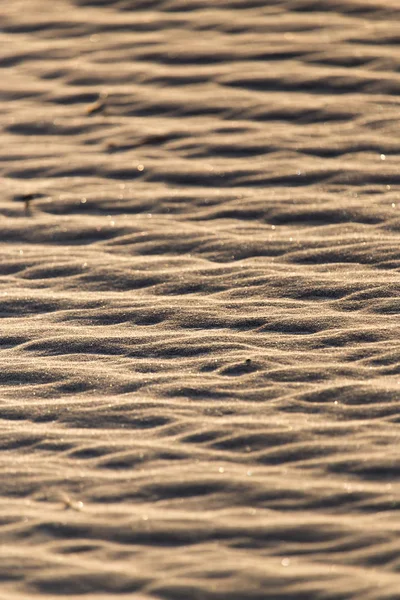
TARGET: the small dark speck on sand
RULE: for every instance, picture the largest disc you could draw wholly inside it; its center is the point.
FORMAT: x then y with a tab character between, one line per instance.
111	147
27	200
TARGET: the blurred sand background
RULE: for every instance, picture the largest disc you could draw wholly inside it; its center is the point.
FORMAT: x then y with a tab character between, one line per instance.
199	299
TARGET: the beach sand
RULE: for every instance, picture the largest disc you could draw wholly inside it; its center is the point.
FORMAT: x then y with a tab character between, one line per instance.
199	299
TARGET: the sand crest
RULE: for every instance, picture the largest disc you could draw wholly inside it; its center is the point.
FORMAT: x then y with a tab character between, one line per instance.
199	299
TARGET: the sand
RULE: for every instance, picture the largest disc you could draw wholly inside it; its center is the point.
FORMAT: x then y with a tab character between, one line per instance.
199	299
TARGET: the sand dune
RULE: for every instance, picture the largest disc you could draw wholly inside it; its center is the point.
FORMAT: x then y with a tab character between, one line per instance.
199	299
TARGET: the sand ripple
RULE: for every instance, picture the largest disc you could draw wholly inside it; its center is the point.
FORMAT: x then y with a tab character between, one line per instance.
199	299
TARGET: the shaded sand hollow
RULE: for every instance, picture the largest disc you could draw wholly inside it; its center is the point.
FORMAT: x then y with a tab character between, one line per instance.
199	299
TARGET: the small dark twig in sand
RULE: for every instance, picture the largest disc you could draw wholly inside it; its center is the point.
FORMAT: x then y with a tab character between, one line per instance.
27	200
98	106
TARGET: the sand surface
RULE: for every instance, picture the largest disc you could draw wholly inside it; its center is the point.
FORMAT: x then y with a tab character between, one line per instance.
199	299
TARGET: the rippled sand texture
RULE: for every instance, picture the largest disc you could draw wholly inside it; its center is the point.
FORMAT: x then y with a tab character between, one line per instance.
199	299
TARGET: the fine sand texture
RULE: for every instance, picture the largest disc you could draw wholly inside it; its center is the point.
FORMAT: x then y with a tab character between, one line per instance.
200	299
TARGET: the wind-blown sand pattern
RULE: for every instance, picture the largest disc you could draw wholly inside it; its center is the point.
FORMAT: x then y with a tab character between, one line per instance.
199	292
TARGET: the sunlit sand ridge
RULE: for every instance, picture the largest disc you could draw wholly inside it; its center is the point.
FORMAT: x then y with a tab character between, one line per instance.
199	300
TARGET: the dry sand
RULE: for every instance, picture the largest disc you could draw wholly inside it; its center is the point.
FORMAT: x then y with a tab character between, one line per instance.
199	299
